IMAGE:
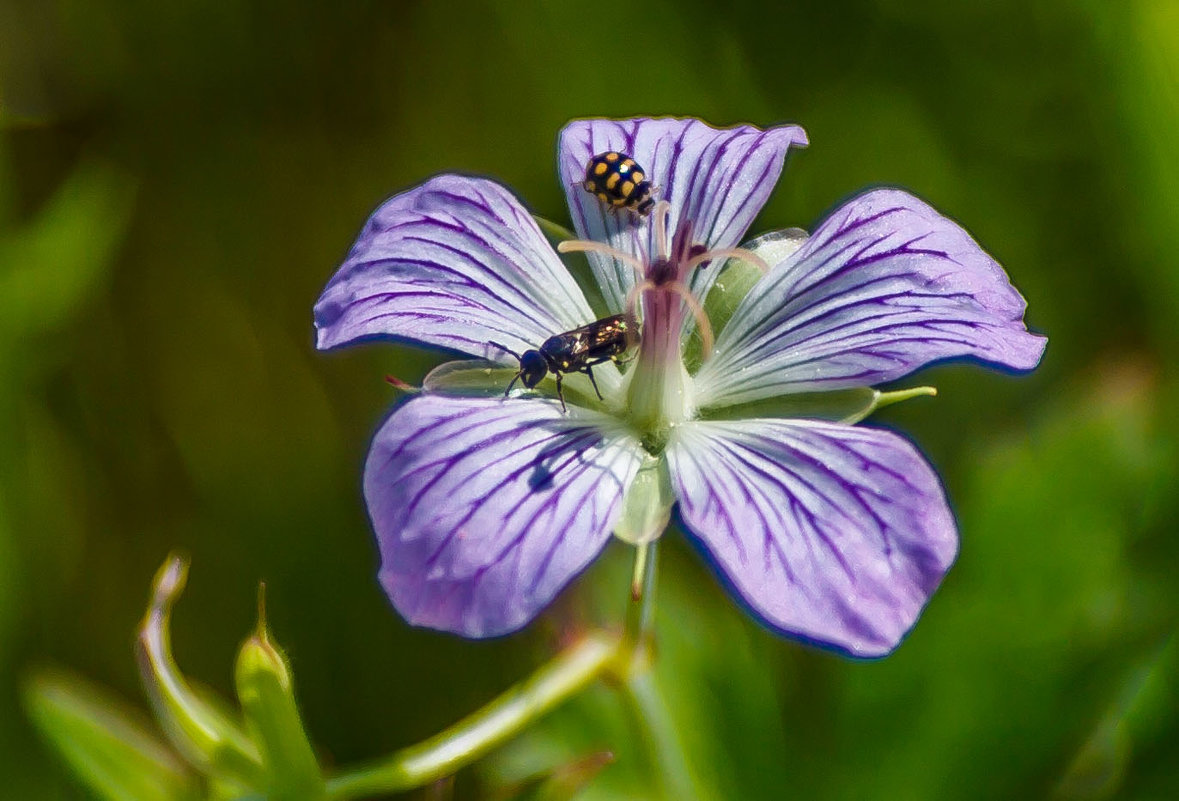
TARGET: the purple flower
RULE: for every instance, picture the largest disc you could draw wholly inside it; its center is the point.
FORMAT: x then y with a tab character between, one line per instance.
486	507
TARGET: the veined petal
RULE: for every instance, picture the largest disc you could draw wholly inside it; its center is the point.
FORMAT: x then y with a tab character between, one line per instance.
715	179
832	533
883	287
485	508
456	262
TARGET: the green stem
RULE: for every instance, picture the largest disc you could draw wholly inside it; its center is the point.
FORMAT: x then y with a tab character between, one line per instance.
489	727
639	688
660	738
596	655
641	609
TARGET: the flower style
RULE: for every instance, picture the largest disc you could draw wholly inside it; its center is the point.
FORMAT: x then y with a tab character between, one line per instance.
485	507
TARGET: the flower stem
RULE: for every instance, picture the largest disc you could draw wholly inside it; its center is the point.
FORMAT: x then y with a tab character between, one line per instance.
489	727
594	656
658	733
640	612
639	688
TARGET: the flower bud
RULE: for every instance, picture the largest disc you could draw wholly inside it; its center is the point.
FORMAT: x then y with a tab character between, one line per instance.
265	689
646	508
205	735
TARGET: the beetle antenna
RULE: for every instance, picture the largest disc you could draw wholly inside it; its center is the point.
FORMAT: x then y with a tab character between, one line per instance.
505	349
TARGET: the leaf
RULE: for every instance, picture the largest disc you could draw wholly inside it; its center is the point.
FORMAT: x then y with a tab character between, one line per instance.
103	741
50	265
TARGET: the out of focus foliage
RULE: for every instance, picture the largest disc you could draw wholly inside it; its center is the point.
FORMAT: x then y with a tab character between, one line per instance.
177	181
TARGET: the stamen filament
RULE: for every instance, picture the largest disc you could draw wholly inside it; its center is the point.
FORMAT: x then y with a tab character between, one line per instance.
587	246
732	253
702	322
662	214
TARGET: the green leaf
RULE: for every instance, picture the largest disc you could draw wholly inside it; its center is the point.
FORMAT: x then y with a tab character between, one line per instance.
1148	705
104	741
50	265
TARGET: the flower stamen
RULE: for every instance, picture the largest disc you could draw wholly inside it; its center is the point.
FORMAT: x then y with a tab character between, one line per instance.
662	213
588	246
702	322
732	253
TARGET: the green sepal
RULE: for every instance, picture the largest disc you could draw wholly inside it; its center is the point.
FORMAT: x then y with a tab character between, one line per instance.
266	692
882	399
646	508
103	740
737	277
578	265
842	405
473	377
482	379
204	734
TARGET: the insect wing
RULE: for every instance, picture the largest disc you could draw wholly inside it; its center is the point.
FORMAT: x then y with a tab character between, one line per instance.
606	338
568	351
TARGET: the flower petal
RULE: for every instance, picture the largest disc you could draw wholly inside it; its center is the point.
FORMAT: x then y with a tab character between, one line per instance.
484	509
883	287
716	182
831	533
456	262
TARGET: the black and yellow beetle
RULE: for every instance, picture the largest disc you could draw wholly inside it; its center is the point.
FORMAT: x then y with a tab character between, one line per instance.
575	351
619	182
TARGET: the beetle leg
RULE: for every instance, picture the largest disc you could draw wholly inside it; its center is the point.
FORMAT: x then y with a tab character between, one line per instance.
560	393
590	372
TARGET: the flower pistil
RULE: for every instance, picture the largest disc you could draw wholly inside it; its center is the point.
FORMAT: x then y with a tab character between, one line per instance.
658	387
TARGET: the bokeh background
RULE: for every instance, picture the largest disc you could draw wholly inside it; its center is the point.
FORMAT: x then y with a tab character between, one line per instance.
178	180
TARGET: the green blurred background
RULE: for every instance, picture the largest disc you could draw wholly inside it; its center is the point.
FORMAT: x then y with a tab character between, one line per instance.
179	179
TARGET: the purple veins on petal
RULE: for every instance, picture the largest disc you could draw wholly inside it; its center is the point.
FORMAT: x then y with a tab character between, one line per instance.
484	509
832	533
716	180
454	263
884	286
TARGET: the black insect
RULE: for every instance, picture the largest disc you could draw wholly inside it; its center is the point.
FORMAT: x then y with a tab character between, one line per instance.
575	351
619	182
